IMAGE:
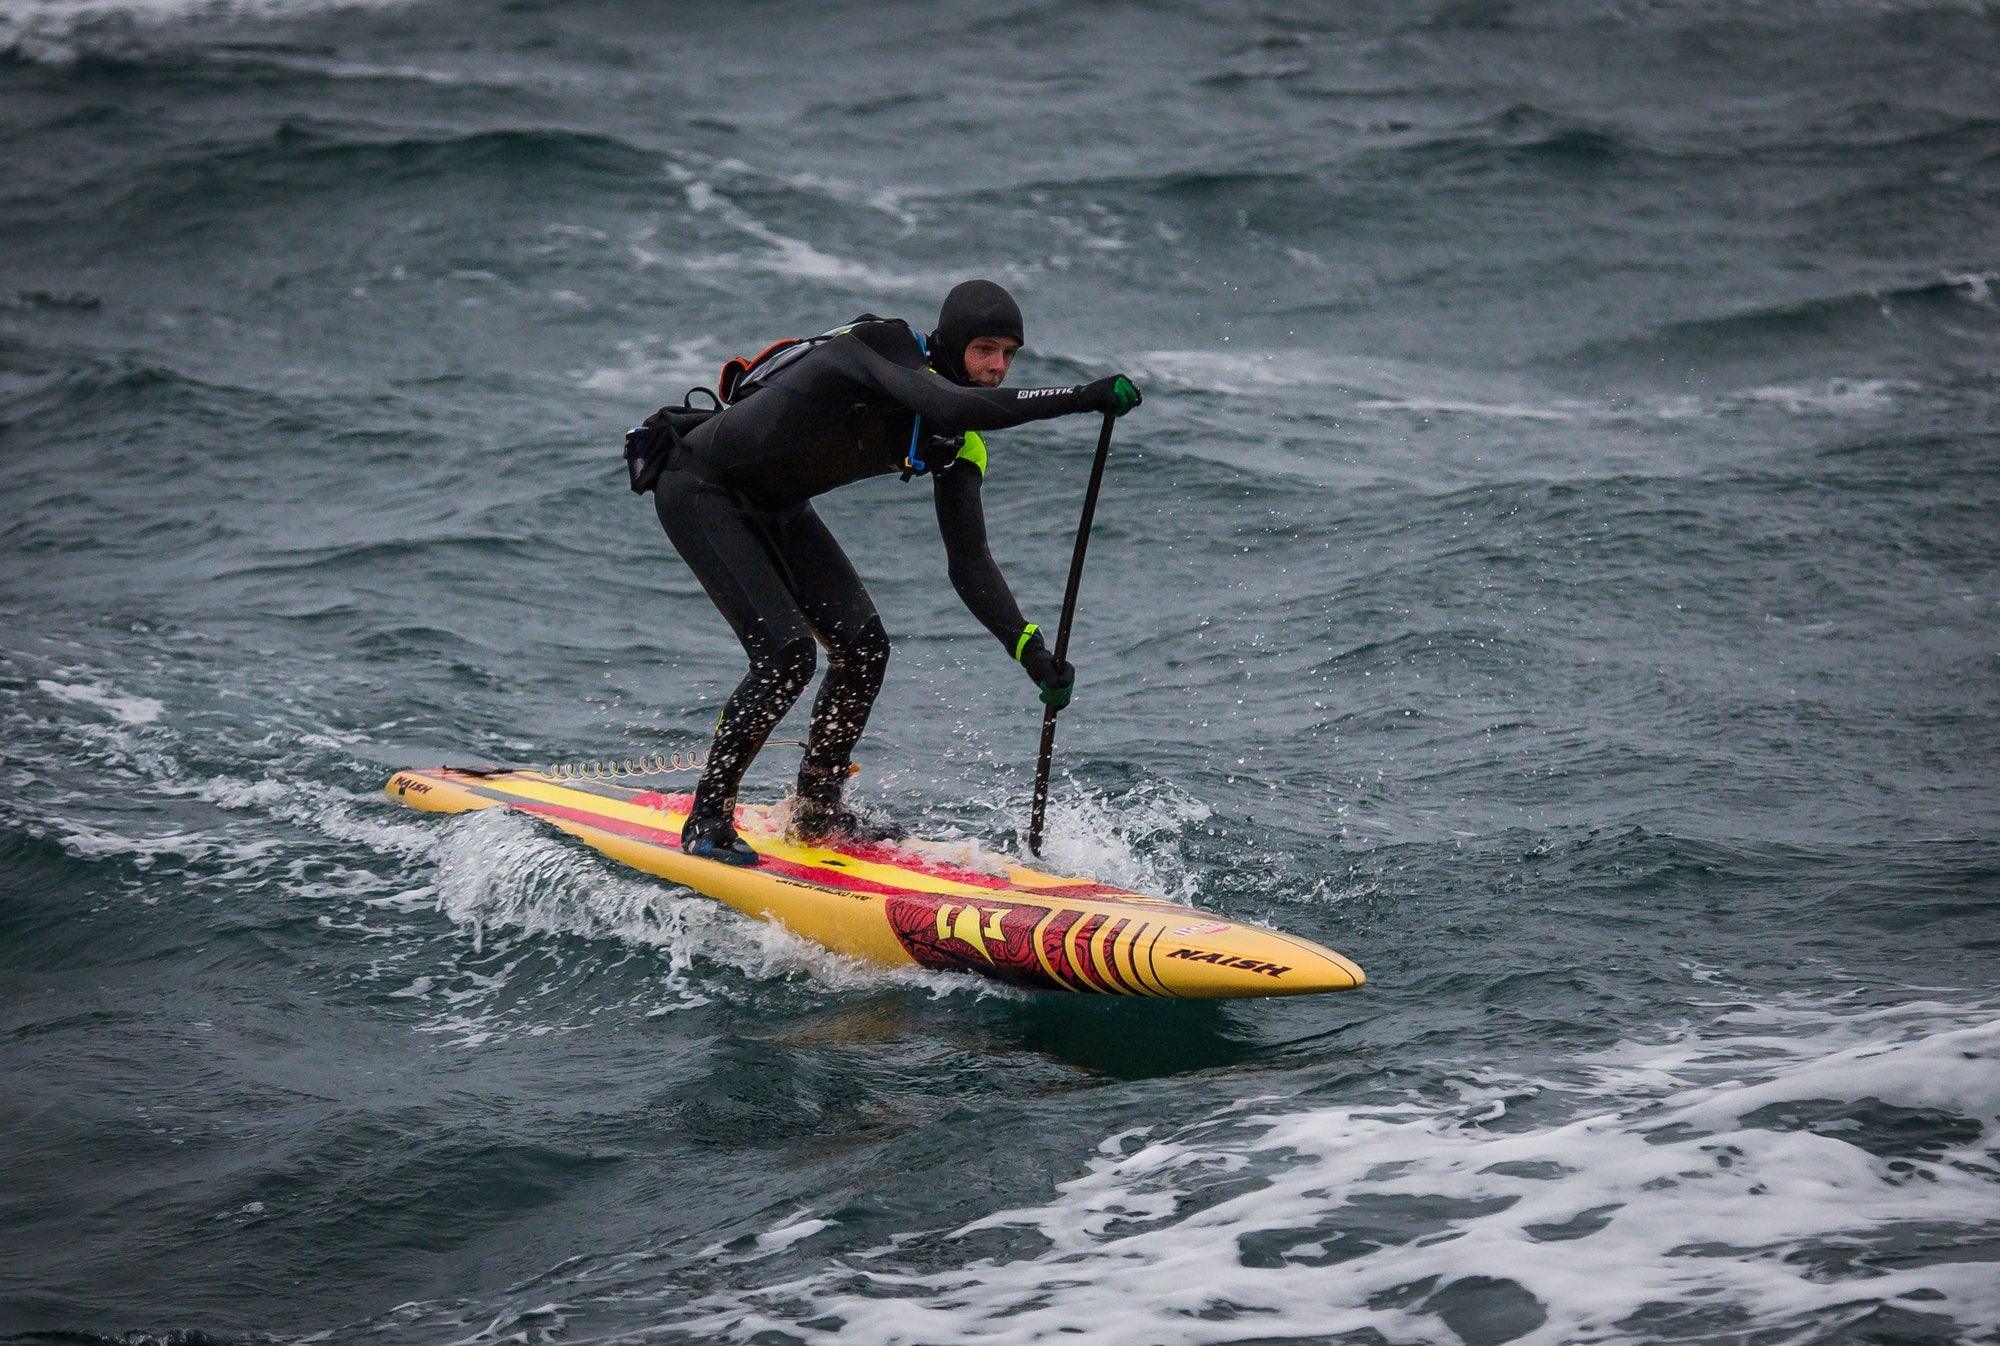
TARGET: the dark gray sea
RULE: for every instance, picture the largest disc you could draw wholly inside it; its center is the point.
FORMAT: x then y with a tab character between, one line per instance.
1555	565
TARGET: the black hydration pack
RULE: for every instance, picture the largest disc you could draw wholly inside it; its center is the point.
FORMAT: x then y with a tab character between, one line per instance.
652	446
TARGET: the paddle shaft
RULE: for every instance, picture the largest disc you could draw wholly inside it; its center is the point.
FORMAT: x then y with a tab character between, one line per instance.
1041	804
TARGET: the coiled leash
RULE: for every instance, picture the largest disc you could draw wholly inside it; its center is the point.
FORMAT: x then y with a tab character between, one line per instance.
659	764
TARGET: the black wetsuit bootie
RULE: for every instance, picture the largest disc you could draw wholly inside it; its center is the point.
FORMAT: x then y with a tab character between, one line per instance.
709	835
818	814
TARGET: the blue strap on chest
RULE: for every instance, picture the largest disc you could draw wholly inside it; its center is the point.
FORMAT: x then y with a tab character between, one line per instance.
910	460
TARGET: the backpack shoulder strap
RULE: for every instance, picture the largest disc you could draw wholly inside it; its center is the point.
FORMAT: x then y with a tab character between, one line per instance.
741	377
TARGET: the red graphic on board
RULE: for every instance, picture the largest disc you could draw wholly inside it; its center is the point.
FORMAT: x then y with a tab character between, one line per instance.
1000	940
996	939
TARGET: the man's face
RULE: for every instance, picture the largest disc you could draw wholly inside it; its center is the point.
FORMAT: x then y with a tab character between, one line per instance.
987	360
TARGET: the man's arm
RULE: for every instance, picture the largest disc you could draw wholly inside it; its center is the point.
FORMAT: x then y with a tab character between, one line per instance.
979	582
949	409
962	523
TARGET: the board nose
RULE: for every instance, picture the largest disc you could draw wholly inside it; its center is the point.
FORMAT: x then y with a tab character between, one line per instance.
1245	961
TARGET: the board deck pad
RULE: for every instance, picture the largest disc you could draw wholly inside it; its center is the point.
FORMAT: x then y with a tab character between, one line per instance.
937	905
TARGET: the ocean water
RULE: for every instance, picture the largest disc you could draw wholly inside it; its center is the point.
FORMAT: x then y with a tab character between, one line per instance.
1554	565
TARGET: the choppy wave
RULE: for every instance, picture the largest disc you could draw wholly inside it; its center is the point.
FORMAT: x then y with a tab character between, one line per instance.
1925	309
1522	133
1414	394
301	161
496	872
784	255
1752	1177
63	30
513	894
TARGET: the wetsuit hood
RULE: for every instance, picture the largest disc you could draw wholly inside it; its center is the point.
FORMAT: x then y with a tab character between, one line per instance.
973	309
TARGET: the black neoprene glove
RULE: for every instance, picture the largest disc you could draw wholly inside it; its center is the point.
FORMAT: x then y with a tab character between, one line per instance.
1114	396
1057	679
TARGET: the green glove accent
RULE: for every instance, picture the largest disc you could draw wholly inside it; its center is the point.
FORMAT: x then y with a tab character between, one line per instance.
1056	682
1126	394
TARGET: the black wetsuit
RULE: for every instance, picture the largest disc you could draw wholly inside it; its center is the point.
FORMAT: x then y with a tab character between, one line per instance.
737	505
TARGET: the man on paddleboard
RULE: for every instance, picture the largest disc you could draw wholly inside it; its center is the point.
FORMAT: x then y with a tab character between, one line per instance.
736	500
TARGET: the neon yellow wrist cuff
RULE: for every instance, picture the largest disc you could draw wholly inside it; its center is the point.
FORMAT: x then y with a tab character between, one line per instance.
1027	634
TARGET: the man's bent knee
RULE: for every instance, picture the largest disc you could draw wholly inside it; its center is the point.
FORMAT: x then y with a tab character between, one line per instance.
866	648
793	664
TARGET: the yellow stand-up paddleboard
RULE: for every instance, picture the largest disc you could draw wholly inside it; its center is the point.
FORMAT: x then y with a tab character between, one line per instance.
901	903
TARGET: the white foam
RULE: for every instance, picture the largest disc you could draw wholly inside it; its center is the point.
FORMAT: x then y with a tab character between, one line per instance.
1674	1180
961	853
497	871
1377	383
1238	372
58	30
339	814
1519	411
123	707
542	1322
650	375
412	74
1829	397
493	871
130	742
783	255
1816	397
784	1236
1115	840
885	200
1383	385
230	792
1977	286
88	842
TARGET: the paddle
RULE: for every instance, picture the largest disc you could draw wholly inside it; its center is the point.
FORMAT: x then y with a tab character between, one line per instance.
1041	804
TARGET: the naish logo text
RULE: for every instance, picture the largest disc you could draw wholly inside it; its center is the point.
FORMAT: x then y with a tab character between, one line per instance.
1027	393
1230	960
